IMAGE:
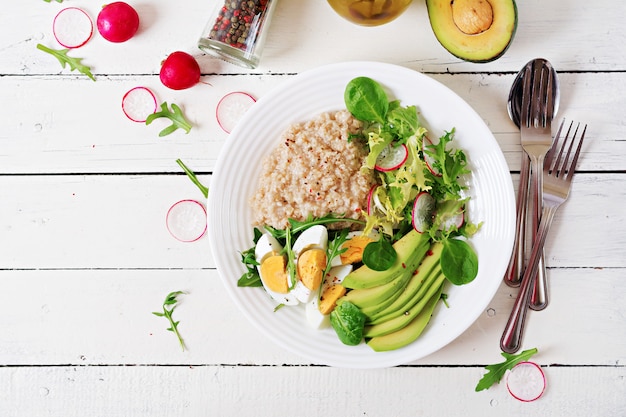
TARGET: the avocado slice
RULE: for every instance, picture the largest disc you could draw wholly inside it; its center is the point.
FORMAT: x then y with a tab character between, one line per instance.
474	30
410	332
411	249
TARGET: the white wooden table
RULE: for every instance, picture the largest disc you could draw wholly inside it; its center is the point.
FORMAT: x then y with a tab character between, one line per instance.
85	256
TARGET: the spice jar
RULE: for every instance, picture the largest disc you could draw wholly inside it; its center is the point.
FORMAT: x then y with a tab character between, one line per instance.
236	31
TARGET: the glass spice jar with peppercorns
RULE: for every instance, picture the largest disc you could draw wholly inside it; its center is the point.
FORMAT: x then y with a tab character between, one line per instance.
236	31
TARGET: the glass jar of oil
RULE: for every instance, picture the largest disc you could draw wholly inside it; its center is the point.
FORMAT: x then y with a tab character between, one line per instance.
369	12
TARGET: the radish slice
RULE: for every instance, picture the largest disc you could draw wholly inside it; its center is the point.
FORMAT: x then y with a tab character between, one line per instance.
526	381
370	200
392	157
138	103
456	220
423	212
186	220
430	162
231	108
72	27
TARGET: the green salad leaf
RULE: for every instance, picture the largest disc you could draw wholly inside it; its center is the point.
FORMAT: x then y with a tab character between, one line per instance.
175	115
366	100
170	300
496	372
348	322
64	59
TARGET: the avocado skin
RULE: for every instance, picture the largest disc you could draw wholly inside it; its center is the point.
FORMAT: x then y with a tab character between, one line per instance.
478	48
410	332
411	249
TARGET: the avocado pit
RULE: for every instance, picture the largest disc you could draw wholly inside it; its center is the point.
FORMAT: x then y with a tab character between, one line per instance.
472	16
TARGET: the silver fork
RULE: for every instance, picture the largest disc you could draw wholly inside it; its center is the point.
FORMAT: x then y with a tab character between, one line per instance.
558	171
536	122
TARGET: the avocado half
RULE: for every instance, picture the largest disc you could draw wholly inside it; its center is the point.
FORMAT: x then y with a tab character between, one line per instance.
473	30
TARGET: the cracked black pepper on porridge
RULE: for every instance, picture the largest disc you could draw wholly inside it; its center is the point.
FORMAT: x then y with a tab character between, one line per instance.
316	170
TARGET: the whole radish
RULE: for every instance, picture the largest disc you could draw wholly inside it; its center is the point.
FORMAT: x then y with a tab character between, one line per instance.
180	71
117	22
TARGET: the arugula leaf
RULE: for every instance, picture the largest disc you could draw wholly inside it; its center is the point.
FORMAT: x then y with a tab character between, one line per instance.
170	300
175	115
58	1
296	226
193	178
334	249
497	371
74	63
251	277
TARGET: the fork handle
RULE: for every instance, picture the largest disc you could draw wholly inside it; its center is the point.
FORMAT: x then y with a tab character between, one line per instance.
512	336
539	295
513	275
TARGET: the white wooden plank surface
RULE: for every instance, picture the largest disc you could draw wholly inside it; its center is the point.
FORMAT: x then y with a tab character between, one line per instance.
36	137
93	317
305	33
123	223
85	256
249	391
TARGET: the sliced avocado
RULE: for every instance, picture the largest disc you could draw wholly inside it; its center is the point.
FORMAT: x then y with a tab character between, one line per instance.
474	30
374	296
411	249
426	274
404	319
410	332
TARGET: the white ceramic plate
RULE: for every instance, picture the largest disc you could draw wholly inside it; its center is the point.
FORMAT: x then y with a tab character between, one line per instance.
299	99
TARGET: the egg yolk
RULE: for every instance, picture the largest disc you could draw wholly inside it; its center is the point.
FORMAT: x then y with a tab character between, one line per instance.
329	298
354	249
273	271
311	265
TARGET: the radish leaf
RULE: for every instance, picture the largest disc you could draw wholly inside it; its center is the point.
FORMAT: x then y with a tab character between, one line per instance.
175	115
74	63
497	371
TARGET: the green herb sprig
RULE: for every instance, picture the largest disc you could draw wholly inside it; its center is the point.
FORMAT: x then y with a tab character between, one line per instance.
64	59
58	1
497	371
175	115
193	178
170	300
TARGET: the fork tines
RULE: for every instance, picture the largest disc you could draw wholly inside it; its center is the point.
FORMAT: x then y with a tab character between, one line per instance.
565	145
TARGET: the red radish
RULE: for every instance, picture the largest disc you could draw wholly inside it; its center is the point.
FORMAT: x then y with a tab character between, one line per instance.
72	27
138	103
526	381
456	220
231	108
392	157
180	71
117	22
186	220
370	200
423	212
430	162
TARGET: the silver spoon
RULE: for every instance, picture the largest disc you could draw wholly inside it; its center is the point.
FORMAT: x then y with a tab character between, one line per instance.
516	265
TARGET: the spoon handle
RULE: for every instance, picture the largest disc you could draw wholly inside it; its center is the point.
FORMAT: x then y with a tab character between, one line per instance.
515	269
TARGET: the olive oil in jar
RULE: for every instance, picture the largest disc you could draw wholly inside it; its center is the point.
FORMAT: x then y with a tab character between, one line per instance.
369	12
